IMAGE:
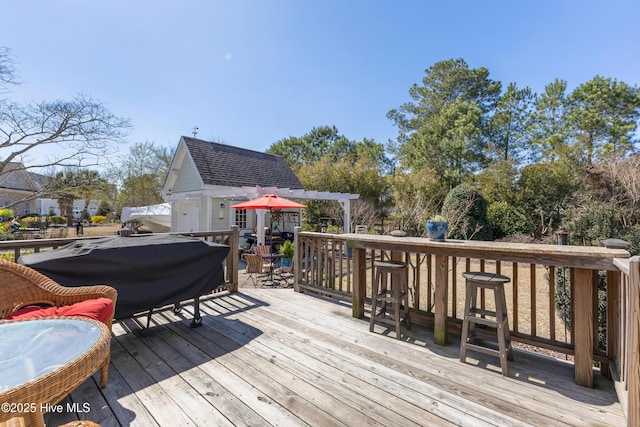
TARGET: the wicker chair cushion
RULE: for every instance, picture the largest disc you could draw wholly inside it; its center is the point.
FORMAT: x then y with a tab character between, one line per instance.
98	309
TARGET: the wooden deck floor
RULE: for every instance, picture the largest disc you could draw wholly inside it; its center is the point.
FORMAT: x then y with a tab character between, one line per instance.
276	357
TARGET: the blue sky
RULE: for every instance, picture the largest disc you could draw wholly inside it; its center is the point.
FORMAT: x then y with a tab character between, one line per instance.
249	72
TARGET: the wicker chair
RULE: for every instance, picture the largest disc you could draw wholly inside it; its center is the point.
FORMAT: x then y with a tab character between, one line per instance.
21	286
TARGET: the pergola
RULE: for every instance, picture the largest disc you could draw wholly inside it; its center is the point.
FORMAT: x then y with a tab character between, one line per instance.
253	192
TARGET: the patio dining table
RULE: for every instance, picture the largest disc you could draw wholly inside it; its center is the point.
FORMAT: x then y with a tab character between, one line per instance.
273	257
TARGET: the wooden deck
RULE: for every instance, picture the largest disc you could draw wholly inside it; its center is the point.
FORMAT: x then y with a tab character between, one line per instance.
276	357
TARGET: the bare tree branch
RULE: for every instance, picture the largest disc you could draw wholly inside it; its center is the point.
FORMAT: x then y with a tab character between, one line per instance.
7	71
76	133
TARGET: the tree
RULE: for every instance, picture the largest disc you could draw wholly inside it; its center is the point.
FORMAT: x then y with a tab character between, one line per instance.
362	212
603	114
325	160
91	186
417	196
549	126
72	184
65	133
7	70
545	192
445	127
362	176
509	124
141	174
452	145
311	147
498	181
615	183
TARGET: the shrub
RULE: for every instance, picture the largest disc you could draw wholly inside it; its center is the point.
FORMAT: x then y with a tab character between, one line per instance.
98	219
104	208
590	226
563	294
563	301
28	219
6	214
308	227
632	235
466	210
287	249
593	224
6	234
506	220
55	219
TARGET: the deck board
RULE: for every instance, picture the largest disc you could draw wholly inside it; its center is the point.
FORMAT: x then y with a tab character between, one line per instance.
276	357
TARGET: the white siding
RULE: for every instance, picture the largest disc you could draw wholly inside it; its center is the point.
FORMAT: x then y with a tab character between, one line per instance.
188	179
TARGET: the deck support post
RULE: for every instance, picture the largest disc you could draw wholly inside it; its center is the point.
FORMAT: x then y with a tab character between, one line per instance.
232	260
359	282
441	299
583	327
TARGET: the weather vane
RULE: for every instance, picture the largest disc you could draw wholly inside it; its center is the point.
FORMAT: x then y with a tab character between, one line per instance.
195	131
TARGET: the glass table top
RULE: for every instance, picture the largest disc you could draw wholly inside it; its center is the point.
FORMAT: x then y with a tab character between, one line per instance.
32	348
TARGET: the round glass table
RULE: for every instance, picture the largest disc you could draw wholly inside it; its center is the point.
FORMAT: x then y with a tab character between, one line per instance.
43	360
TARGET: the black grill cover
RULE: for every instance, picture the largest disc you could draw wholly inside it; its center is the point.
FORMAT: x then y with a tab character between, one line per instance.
148	271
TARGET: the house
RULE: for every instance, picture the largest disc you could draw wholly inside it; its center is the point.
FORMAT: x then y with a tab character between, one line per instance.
19	188
22	191
206	178
46	206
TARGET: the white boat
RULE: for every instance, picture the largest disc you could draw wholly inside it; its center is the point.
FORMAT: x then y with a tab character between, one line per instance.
156	218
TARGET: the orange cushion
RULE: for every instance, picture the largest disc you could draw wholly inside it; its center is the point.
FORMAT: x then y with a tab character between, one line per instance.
98	309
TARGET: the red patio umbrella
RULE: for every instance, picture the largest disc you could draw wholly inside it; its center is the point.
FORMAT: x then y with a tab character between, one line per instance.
270	202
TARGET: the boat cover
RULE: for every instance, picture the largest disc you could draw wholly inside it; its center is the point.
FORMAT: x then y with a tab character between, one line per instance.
148	271
155	217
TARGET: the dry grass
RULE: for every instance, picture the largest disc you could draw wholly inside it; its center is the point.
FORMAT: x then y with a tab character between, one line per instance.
98	230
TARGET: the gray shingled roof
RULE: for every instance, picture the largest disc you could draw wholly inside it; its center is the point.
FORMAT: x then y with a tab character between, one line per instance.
16	177
220	164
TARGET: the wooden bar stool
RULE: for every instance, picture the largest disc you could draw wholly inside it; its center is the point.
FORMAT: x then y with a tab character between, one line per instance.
390	300
472	338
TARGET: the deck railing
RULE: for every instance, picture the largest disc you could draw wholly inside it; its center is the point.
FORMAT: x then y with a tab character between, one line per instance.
623	328
339	265
226	237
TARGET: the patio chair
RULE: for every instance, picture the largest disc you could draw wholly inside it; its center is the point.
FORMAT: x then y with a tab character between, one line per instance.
265	252
285	273
254	267
22	286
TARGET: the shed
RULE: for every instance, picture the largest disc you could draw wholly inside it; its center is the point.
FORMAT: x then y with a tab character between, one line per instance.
206	178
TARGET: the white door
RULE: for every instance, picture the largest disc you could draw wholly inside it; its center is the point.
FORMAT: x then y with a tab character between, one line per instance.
188	217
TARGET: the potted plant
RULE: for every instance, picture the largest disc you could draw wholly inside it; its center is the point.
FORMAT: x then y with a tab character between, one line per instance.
286	250
437	228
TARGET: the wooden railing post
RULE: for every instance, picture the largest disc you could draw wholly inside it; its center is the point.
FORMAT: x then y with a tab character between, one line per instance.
359	282
297	259
232	263
613	315
633	380
583	326
441	300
